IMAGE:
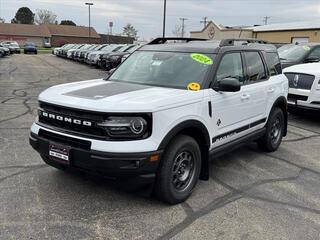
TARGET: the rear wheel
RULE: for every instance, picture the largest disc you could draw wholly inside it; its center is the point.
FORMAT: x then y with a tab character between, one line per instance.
179	170
271	141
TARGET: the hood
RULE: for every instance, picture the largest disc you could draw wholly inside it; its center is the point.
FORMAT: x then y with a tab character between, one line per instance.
307	68
108	96
285	63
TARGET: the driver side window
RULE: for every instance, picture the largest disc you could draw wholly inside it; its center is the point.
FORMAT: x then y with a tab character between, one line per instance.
231	67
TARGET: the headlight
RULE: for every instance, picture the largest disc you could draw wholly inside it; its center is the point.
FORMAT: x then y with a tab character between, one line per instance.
126	127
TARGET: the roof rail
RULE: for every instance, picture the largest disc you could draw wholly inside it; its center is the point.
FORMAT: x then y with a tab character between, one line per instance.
164	40
231	41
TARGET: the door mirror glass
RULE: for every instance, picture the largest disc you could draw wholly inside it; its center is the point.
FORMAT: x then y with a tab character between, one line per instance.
228	85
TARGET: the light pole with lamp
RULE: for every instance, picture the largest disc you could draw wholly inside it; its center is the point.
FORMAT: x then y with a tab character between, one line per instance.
89	4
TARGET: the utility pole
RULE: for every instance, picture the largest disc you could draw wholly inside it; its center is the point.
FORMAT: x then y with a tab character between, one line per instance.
265	20
204	21
183	26
89	4
164	19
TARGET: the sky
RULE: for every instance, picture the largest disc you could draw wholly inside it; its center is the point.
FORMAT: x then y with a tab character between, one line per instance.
146	15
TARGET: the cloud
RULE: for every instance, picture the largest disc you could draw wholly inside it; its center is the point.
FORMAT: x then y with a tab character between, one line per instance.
146	15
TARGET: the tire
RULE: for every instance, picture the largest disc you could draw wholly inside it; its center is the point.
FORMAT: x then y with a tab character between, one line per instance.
179	170
36	52
271	141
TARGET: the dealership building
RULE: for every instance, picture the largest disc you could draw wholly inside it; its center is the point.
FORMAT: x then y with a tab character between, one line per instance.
275	33
56	35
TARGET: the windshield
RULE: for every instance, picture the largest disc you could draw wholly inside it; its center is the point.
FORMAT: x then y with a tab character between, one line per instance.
293	52
166	69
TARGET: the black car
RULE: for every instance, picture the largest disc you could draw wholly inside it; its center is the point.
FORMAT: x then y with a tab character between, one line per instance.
292	54
113	60
4	51
30	48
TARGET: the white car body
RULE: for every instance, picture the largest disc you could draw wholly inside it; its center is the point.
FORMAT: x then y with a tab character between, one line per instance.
304	85
135	123
171	107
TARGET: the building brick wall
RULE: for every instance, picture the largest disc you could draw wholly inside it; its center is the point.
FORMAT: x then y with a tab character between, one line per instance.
57	41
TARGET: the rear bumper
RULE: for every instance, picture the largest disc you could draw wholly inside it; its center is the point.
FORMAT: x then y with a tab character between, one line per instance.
104	163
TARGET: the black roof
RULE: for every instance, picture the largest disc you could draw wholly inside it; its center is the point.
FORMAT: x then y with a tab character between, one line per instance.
207	46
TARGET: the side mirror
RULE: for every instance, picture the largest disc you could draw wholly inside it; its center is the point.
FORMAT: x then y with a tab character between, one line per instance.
227	85
312	59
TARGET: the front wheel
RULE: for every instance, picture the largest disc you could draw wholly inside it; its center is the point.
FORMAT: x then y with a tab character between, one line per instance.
179	170
271	141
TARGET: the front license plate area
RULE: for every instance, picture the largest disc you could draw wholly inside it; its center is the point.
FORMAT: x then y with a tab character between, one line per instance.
59	153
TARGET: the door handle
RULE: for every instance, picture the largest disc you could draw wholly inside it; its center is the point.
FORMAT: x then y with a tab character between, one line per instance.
271	90
245	96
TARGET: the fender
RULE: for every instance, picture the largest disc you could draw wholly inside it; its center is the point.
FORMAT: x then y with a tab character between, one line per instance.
197	130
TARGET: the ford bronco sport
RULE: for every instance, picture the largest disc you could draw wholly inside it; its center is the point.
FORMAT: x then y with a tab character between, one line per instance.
165	111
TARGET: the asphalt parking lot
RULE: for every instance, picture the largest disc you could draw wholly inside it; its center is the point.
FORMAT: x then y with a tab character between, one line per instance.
250	195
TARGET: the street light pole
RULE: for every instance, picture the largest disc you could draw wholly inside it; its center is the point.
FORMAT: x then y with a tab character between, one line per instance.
164	18
89	4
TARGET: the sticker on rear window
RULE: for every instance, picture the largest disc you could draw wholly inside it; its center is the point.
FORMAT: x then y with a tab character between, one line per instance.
305	47
194	86
202	58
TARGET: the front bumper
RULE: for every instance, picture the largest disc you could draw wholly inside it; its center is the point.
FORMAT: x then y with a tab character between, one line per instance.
104	163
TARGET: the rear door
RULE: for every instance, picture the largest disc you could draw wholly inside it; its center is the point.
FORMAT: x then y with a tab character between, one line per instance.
257	86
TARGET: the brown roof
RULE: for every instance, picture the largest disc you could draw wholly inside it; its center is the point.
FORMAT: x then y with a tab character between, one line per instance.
46	30
74	31
24	30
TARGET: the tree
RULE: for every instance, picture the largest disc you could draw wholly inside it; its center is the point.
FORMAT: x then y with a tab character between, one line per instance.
23	16
130	31
67	22
2	20
178	31
44	16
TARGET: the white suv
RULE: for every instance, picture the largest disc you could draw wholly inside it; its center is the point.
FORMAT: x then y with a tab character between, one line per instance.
304	86
165	111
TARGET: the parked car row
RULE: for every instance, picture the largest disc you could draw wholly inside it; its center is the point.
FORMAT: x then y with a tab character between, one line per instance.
106	56
11	47
8	47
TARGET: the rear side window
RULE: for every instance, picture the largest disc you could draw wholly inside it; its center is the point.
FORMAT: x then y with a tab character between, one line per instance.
273	63
255	67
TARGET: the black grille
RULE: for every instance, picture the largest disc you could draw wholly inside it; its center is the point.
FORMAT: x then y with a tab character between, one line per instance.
80	130
94	131
77	143
300	81
297	97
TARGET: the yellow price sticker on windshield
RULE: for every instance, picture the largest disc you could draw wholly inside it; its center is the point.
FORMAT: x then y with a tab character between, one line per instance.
194	86
305	47
201	58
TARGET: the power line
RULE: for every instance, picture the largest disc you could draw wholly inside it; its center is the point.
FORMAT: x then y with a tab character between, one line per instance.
183	26
265	20
204	21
